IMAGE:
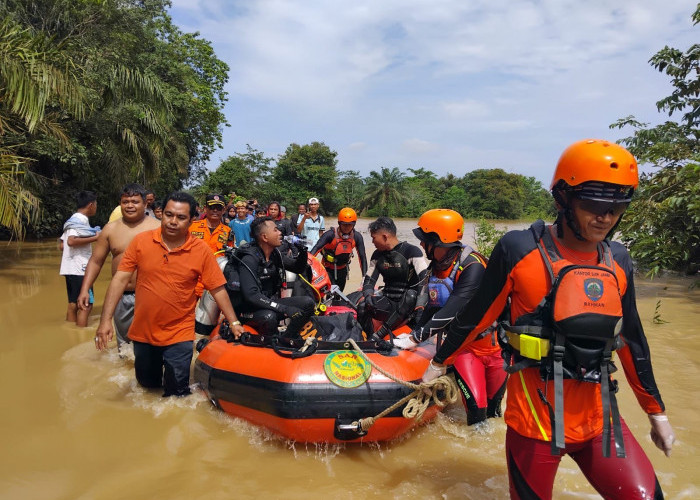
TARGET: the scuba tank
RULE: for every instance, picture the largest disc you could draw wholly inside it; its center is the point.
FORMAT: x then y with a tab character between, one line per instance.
291	278
206	314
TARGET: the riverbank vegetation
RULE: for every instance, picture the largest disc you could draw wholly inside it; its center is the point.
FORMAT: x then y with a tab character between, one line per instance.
311	170
94	94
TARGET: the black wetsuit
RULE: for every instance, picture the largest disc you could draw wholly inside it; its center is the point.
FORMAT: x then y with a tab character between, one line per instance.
403	270
262	306
435	318
285	226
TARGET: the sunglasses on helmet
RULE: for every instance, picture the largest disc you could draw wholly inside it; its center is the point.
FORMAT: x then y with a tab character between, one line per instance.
602	208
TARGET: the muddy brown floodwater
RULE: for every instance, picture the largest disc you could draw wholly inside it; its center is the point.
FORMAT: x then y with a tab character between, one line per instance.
74	424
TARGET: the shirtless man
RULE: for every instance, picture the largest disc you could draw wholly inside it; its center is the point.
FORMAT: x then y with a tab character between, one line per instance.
115	237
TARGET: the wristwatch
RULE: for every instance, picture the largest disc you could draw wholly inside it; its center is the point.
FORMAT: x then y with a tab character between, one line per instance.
235	323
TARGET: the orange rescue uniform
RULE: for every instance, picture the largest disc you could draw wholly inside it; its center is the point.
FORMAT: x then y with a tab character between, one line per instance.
516	270
216	240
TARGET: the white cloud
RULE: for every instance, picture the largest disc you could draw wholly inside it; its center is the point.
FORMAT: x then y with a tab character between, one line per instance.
496	75
357	146
418	146
467	108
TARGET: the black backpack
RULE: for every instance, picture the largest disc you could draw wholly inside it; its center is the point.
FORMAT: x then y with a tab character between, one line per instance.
233	277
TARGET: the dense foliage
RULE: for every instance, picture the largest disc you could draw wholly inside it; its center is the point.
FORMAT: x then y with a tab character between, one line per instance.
310	170
97	93
662	226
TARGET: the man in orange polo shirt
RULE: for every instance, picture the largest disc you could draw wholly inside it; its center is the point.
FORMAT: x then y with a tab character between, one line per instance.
169	262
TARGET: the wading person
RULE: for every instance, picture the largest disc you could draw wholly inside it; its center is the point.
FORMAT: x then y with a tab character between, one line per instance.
454	274
76	245
114	239
169	262
336	246
572	306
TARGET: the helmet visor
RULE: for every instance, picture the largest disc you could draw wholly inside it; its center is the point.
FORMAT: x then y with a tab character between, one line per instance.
602	191
602	208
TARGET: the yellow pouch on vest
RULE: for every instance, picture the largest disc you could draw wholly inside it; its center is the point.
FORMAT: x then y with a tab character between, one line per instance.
528	346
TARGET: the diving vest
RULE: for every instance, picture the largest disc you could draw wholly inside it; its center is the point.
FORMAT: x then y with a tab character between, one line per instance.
440	289
338	252
571	334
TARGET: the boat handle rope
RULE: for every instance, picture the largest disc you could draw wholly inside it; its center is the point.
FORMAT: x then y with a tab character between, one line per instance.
416	402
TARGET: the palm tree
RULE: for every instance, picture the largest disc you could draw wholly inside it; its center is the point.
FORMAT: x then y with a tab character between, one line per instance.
33	76
41	83
17	204
384	189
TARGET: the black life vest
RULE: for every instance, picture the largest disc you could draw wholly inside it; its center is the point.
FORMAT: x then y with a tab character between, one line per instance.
337	253
571	334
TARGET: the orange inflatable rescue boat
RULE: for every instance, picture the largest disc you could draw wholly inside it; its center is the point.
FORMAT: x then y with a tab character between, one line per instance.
318	395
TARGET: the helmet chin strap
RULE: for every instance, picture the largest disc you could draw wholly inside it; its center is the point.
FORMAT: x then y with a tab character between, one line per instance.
430	251
566	213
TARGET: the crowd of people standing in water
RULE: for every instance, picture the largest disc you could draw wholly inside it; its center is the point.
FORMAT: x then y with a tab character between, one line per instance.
542	319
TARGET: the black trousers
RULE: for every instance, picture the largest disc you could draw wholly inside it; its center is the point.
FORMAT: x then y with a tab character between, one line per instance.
338	276
265	321
164	366
391	313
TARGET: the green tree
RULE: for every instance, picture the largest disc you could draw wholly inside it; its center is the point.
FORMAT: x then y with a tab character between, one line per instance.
245	174
350	189
384	191
662	226
456	199
422	190
493	194
305	171
33	77
486	235
538	203
153	99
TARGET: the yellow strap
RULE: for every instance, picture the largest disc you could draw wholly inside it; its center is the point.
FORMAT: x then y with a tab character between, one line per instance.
532	407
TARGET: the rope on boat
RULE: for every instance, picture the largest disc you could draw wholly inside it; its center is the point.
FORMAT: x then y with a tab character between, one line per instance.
417	401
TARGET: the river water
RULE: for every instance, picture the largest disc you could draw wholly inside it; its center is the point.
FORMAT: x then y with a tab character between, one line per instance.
74	424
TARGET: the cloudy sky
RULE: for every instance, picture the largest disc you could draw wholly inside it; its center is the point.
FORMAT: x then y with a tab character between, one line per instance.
448	85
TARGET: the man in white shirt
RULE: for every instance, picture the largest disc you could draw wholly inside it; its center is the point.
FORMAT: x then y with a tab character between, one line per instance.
311	225
76	244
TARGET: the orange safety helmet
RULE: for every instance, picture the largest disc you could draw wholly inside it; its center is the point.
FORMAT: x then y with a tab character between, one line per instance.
347	214
594	160
446	225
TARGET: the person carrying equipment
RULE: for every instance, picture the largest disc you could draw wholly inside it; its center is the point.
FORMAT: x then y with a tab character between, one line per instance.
262	277
336	246
572	308
403	269
454	274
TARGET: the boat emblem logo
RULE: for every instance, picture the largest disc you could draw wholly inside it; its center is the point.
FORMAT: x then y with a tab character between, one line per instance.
347	369
593	288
